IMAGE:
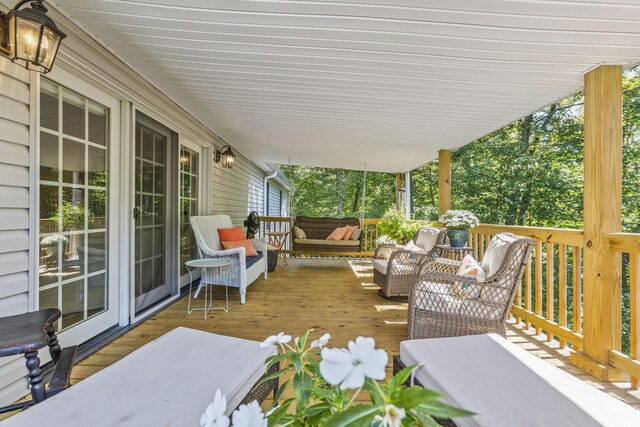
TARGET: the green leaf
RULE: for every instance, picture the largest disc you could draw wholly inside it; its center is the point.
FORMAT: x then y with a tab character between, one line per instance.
402	377
281	390
442	410
274	359
358	415
412	397
276	374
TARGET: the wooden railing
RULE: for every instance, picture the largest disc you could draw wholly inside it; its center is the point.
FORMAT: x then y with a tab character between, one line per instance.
550	296
271	224
629	245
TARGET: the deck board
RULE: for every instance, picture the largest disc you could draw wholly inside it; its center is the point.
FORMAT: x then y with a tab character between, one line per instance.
335	296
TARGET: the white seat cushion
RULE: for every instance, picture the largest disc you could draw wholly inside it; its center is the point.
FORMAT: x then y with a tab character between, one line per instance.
168	382
427	238
495	253
327	242
506	386
442	298
382	265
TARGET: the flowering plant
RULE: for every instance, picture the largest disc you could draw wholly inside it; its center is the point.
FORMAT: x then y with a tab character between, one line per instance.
53	240
326	384
458	220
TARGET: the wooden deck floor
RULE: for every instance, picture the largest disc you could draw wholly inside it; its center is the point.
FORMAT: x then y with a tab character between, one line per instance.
335	296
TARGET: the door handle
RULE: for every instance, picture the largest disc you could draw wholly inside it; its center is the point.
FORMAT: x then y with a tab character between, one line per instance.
136	213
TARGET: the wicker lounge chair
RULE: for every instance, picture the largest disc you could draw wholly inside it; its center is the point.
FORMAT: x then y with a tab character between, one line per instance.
395	269
443	304
241	273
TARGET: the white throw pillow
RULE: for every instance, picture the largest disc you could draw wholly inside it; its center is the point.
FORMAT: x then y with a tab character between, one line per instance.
427	238
299	233
469	267
495	253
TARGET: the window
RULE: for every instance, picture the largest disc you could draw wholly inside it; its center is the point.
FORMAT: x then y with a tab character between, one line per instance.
188	205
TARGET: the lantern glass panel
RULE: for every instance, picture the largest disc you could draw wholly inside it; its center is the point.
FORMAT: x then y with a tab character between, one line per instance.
26	36
48	48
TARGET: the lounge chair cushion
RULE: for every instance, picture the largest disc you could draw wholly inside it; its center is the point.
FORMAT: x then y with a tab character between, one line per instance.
327	242
382	266
250	250
495	253
232	234
350	230
427	238
338	233
253	259
507	386
441	298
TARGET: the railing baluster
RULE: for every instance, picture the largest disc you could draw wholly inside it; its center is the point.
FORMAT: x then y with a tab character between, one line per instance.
634	278
550	287
562	288
577	290
527	290
538	282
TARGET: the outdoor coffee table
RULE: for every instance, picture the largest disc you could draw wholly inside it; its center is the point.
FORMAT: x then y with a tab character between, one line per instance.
168	382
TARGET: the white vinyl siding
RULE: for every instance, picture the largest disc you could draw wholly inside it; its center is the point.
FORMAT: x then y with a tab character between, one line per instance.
274	199
14	213
237	191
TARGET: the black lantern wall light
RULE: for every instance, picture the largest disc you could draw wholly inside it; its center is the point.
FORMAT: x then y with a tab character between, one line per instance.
226	156
29	37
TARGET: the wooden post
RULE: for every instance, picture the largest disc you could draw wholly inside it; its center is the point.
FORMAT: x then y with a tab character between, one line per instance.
400	191
444	180
602	214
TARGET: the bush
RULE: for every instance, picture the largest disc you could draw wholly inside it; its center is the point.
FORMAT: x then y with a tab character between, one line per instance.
395	225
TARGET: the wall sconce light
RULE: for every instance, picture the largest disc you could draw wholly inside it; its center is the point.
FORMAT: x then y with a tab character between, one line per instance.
226	156
29	37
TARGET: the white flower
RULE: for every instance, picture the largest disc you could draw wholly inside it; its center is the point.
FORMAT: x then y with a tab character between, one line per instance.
321	342
214	415
393	416
350	367
281	338
249	416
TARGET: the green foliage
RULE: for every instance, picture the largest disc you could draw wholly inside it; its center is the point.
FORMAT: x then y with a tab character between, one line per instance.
395	225
315	402
73	216
338	192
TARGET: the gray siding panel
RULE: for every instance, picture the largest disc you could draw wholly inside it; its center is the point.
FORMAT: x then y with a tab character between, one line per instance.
237	191
14	213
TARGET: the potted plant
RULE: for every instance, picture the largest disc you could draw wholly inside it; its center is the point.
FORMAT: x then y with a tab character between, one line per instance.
458	223
397	228
324	384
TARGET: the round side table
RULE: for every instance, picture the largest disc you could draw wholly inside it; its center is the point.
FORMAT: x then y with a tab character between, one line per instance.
204	264
455	252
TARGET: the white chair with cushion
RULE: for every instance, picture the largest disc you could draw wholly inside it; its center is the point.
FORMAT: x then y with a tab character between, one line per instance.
239	274
396	268
452	298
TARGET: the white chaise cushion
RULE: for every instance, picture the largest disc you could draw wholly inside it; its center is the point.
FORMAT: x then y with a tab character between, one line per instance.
427	238
507	386
442	298
495	253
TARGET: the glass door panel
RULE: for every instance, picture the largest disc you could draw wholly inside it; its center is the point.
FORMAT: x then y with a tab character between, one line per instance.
189	175
74	225
151	272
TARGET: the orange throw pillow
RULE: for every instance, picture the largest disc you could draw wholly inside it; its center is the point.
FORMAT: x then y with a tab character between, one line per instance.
246	244
231	234
350	230
338	233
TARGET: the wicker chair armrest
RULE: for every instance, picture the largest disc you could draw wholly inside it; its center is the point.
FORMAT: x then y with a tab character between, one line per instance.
405	257
385	251
441	265
259	244
235	252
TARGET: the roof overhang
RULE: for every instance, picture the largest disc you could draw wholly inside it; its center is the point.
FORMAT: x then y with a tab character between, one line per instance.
367	82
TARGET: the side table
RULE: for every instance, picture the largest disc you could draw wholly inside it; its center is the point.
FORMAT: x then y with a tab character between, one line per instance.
454	252
205	264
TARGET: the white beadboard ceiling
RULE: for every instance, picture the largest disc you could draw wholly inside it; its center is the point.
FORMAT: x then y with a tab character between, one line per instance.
344	83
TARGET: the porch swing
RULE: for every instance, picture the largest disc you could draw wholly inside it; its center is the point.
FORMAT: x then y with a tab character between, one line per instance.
310	233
